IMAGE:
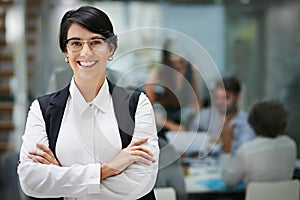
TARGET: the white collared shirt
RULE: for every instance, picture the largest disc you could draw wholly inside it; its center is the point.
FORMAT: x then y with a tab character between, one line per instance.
261	159
88	137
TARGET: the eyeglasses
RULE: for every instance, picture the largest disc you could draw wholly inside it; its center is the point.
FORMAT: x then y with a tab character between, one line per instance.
75	44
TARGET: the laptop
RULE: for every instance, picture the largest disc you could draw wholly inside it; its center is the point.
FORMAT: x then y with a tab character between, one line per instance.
188	142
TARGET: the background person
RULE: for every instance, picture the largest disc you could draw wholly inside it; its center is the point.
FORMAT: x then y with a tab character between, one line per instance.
175	86
225	118
271	156
89	154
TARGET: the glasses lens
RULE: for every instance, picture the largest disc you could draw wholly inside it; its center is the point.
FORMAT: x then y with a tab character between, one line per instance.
75	45
96	43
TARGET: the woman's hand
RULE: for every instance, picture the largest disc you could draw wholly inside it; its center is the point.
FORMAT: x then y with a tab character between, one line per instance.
133	153
45	156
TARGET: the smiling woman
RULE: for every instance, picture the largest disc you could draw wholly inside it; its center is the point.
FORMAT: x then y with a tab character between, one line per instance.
87	63
91	136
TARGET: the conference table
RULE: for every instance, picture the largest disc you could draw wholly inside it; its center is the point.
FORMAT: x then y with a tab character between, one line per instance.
203	180
203	174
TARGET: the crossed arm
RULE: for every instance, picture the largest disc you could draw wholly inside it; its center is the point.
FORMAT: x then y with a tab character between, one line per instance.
133	153
41	174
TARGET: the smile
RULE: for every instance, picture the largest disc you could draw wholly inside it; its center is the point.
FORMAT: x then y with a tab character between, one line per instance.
87	64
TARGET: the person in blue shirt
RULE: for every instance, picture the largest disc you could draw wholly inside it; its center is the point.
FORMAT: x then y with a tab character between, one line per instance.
224	118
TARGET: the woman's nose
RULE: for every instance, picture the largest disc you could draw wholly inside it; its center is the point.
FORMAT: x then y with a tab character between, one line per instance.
86	50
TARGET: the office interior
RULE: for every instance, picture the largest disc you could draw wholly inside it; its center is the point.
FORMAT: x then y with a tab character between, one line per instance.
256	40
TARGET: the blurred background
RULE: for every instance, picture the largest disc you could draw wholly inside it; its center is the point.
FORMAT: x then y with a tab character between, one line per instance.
256	40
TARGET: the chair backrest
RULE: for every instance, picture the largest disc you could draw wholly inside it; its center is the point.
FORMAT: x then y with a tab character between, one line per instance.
287	190
165	193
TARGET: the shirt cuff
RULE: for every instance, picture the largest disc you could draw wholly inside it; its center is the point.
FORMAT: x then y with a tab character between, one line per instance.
94	179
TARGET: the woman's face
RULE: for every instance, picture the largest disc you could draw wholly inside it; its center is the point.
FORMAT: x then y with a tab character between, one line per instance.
87	64
177	62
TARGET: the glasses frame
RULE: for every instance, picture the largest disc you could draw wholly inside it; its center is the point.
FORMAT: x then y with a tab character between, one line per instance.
105	40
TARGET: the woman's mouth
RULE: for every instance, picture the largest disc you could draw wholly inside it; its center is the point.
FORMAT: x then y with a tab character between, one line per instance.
86	63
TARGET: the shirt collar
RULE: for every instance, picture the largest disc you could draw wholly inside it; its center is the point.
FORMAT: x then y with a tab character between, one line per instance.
101	100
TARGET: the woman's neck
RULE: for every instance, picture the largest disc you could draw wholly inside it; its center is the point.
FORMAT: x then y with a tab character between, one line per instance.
180	78
89	89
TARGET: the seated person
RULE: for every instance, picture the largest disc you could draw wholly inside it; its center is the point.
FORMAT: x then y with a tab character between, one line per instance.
270	156
225	110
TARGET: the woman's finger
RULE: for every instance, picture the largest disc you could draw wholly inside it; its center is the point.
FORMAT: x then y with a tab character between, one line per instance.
144	161
41	154
39	159
143	155
139	148
138	142
45	149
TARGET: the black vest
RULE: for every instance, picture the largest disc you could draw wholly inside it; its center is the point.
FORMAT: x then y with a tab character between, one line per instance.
124	102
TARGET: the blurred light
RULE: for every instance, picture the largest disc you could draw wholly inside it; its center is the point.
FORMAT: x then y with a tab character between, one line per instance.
14	26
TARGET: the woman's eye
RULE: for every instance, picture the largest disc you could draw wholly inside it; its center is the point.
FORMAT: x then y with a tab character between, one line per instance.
76	43
96	42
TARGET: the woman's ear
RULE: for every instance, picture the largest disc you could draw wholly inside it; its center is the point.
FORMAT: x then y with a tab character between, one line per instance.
66	57
112	48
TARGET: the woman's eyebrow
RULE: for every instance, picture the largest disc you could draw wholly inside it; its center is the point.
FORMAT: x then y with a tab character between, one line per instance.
74	38
92	38
97	37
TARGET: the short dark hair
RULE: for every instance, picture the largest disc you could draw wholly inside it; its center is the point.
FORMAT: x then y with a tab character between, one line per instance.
231	84
268	118
90	18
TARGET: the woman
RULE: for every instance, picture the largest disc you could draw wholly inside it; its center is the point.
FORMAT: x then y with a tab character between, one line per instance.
175	86
86	154
271	156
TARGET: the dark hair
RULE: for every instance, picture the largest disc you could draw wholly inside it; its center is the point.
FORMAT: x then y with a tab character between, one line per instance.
231	84
90	18
268	118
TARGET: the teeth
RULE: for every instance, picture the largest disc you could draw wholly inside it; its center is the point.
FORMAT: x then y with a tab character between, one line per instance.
86	64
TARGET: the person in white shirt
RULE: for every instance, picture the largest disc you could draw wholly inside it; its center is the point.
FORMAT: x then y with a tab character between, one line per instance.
88	159
271	156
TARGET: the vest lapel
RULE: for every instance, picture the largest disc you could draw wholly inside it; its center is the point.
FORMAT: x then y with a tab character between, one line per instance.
54	114
123	107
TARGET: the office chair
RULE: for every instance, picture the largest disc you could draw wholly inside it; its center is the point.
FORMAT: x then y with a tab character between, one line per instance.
165	193
279	190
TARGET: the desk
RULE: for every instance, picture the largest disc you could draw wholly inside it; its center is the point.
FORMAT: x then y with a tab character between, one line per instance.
204	177
205	182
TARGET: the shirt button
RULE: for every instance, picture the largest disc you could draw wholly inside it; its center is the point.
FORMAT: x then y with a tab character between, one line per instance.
91	105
